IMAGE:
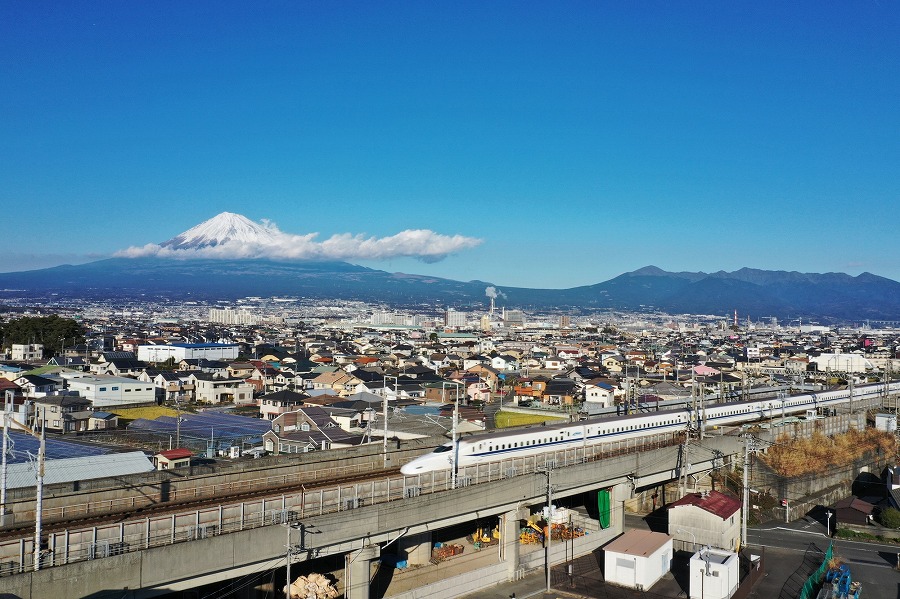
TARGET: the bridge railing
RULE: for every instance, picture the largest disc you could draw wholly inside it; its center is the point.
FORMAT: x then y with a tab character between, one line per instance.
98	542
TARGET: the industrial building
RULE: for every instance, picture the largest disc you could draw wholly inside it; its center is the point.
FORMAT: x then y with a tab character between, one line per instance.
111	391
188	351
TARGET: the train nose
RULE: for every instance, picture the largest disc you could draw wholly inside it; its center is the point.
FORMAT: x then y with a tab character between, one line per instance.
411	469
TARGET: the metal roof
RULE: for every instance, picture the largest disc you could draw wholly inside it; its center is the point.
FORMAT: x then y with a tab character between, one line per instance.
85	468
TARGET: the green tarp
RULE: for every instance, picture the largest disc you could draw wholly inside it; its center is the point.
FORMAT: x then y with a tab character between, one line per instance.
603	508
811	586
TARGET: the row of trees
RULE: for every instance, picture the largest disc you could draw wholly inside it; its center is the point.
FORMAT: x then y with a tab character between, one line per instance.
53	332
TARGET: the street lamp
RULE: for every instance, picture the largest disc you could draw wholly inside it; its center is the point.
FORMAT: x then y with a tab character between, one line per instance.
693	536
828	523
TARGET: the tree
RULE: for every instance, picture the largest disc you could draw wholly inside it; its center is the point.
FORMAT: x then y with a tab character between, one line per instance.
53	332
890	518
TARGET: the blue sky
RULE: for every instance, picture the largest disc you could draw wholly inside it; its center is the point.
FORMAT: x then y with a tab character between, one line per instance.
576	141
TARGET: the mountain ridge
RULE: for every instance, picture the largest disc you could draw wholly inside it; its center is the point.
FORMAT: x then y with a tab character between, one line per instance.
220	259
783	294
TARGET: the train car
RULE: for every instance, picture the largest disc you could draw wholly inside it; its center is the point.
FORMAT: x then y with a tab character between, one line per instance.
489	447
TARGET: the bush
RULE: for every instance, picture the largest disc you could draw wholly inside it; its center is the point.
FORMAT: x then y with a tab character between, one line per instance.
890	518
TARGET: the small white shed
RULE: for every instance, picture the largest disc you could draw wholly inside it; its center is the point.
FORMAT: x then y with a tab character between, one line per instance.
714	574
638	559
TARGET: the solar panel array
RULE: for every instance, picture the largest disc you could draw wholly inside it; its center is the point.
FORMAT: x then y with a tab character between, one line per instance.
22	444
205	425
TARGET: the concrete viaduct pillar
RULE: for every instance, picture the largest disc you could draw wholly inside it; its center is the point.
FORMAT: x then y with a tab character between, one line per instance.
416	548
509	539
358	568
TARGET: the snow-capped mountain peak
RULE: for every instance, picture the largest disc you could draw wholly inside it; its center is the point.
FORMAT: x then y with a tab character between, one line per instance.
223	229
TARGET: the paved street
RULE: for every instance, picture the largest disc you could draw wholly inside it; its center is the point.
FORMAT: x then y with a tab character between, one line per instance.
870	563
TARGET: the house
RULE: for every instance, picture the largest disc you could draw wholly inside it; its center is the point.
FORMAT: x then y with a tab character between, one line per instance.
708	518
71	362
172	459
853	510
33	385
308	429
614	363
26	352
600	393
209	388
274	404
638	559
62	413
338	381
124	367
893	484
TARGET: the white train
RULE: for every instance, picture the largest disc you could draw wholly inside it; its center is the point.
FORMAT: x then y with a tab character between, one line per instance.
530	441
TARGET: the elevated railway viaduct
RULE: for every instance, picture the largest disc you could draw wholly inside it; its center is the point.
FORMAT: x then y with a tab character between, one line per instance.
353	520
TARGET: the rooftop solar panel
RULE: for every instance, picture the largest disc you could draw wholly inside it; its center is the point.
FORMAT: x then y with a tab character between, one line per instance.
22	444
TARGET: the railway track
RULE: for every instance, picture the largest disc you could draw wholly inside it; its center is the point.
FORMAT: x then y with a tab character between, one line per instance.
163	508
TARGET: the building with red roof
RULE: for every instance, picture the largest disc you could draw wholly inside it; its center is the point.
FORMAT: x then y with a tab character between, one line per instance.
709	518
172	458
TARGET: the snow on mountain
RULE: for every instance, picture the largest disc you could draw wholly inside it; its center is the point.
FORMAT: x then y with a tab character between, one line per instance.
229	236
222	229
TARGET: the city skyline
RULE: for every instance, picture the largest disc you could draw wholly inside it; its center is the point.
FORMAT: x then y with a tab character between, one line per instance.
564	145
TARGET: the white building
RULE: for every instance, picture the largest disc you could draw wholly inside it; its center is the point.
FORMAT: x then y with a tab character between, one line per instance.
714	574
111	391
452	318
232	316
20	352
188	351
857	363
638	559
214	390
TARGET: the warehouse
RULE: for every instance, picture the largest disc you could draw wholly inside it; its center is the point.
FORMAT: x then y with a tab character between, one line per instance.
188	351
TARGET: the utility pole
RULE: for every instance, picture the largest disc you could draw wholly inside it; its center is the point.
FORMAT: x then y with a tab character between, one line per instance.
385	414
455	453
749	445
7	407
39	501
549	535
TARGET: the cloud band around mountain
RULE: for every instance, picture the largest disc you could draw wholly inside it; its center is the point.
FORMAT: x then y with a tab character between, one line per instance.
421	244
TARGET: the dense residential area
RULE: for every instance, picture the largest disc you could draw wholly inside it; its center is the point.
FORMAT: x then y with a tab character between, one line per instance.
277	359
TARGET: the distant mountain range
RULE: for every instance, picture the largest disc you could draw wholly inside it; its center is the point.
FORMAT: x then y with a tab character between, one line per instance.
757	293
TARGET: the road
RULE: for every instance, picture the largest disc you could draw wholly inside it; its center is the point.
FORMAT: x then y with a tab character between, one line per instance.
786	545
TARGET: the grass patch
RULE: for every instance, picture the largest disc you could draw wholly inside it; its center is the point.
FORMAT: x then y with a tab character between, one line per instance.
510	419
847	533
149	412
796	457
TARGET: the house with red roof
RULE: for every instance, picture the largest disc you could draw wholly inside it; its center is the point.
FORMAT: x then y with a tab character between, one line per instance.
172	458
708	518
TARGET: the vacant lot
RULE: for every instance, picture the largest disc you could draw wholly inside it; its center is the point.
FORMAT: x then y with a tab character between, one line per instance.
505	419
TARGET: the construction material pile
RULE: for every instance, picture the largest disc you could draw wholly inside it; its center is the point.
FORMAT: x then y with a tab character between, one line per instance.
314	586
442	551
535	532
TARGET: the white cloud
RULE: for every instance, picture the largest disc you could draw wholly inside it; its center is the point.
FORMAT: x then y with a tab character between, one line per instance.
422	244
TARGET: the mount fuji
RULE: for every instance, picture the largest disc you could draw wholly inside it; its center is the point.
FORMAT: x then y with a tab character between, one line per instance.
226	228
229	256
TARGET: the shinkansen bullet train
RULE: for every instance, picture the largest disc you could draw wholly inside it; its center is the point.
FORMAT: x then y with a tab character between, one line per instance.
489	447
